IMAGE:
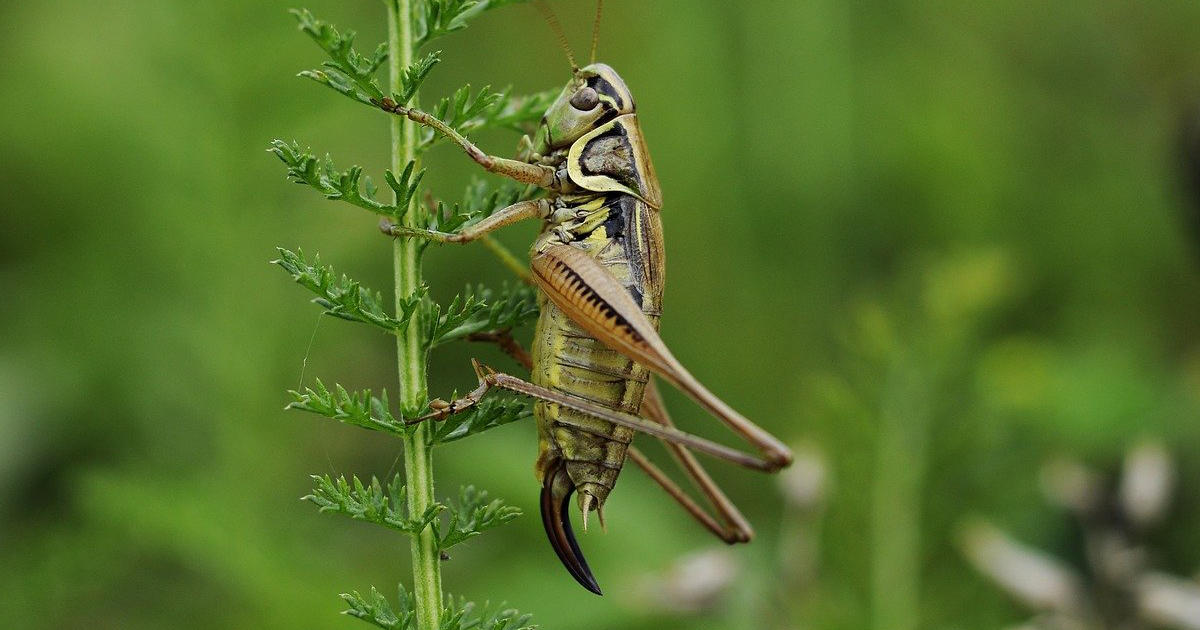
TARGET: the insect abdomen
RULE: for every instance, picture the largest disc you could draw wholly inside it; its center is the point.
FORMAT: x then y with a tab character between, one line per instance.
570	360
579	365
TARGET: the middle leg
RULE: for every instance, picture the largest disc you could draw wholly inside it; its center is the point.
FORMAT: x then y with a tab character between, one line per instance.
528	209
489	379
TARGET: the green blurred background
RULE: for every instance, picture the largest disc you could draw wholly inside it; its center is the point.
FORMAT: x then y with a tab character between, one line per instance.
931	243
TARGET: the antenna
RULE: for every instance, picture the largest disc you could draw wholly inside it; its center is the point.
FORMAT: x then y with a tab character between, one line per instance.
596	28
552	20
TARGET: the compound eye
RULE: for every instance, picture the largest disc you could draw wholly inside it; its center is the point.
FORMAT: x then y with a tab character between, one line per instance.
585	99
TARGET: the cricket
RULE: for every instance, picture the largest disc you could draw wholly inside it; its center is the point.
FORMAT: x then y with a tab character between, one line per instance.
598	263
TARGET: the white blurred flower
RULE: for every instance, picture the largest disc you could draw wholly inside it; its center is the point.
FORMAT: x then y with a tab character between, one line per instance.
1147	483
694	583
1037	579
804	483
1169	601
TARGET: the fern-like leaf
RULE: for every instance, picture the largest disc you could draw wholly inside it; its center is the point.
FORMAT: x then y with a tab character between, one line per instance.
457	613
472	515
480	309
305	168
358	408
464	111
342	297
460	614
348	72
435	18
375	609
371	502
413	76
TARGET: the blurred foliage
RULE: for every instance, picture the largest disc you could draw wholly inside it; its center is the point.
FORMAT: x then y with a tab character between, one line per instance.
943	242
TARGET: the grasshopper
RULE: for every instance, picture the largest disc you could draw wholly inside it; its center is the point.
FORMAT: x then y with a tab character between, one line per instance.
598	263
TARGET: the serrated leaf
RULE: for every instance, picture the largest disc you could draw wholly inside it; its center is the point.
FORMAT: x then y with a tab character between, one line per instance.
414	75
319	173
374	608
480	309
342	297
460	614
371	502
472	515
457	612
464	111
405	187
357	408
348	72
435	18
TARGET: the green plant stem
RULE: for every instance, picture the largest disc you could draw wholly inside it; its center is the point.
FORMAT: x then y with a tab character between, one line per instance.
410	348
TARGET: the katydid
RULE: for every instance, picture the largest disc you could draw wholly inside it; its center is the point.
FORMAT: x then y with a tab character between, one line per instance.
598	263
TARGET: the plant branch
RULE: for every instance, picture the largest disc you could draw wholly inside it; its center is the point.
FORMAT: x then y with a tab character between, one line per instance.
411	347
417	323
